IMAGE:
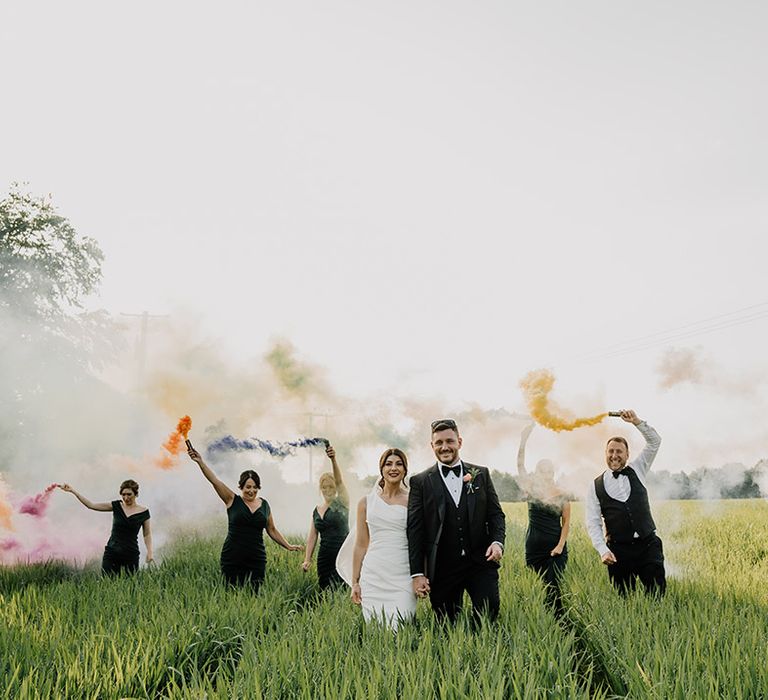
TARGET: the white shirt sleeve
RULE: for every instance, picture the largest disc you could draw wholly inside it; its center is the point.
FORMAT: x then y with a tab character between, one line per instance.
595	521
642	464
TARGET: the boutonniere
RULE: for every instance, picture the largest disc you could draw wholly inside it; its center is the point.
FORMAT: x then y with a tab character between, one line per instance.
469	479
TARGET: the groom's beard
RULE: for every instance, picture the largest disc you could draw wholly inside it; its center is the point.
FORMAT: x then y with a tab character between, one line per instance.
447	456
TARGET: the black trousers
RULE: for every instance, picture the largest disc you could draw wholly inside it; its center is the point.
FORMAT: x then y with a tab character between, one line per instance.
480	581
640	559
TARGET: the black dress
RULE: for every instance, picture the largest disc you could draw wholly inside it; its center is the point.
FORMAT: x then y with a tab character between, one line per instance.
122	550
333	528
243	556
544	528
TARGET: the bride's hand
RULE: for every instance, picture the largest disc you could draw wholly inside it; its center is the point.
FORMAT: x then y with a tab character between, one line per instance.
357	599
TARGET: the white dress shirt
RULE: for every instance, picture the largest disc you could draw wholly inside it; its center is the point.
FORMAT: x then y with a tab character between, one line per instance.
619	487
452	482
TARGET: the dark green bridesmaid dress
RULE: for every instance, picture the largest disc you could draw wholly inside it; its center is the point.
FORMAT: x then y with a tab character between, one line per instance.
333	528
122	550
544	529
243	556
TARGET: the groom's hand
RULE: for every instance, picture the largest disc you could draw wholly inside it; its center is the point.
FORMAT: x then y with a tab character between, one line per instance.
421	586
493	553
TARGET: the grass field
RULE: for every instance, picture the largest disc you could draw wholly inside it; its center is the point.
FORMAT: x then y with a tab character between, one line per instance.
176	632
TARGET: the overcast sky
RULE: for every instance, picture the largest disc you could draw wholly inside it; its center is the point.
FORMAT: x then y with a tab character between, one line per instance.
427	198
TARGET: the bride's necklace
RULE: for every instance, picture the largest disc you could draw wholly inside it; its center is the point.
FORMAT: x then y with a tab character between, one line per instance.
388	499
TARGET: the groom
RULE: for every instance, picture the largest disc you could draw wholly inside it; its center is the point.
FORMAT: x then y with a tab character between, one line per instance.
455	530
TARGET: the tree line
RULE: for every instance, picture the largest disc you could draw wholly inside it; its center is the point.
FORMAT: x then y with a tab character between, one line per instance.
728	481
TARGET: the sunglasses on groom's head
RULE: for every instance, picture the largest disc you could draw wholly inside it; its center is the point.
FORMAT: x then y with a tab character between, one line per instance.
444	424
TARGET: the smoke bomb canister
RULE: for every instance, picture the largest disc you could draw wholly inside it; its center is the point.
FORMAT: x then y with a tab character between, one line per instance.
189	445
614	414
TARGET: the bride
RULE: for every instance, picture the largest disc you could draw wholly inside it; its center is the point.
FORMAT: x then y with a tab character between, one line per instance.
380	574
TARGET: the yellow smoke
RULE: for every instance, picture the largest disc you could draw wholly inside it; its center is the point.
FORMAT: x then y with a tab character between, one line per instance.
536	386
5	508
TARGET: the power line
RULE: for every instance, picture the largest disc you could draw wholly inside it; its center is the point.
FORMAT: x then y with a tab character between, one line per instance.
696	329
675	330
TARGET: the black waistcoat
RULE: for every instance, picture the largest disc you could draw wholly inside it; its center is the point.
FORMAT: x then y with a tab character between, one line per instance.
455	544
622	520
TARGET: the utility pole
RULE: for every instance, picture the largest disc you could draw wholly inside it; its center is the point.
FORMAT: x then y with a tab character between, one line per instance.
141	346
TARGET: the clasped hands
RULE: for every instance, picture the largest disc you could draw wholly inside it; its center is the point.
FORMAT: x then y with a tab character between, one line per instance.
421	583
421	586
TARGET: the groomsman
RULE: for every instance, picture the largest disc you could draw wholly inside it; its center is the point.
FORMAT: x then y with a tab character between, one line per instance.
455	530
618	500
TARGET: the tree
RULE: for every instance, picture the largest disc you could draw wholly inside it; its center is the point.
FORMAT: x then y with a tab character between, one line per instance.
47	342
46	269
507	488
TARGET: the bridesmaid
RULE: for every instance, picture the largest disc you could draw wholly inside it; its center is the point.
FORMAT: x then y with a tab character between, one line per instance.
330	522
243	556
549	519
128	517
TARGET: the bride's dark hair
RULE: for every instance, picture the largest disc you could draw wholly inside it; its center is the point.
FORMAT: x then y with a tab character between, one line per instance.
388	453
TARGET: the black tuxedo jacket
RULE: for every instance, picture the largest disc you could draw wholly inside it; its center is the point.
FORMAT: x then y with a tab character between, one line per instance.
426	512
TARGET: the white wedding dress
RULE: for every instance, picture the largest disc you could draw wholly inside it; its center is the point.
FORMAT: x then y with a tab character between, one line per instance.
385	579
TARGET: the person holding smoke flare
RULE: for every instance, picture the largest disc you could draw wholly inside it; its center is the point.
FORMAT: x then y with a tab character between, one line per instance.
243	556
330	523
617	500
128	517
549	520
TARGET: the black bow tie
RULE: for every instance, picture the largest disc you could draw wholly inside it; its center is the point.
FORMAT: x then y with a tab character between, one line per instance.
617	473
456	470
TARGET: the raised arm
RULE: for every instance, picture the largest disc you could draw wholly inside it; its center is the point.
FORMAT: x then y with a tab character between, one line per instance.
147	532
642	464
277	536
310	549
362	538
341	487
226	494
521	450
103	507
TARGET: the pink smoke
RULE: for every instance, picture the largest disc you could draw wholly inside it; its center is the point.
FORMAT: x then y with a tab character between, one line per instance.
37	504
43	543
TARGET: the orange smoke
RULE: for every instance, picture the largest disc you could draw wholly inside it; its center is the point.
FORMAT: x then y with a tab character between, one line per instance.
5	508
174	444
536	386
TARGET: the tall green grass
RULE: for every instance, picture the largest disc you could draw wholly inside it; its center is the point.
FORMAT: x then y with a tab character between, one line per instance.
176	631
708	636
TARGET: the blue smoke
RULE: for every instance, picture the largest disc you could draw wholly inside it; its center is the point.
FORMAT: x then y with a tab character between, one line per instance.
228	443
